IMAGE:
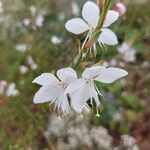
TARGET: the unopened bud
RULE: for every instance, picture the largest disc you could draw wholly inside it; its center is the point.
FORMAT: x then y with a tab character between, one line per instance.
93	39
120	8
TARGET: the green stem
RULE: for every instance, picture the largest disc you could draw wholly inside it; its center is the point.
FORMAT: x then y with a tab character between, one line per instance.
103	14
79	60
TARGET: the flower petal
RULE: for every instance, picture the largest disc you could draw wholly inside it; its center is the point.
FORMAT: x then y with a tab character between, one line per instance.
46	79
76	26
65	104
61	103
111	17
111	74
67	74
90	13
79	99
92	72
107	37
75	86
46	94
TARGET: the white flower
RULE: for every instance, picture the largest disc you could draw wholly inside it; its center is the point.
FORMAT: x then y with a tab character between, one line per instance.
75	8
90	14
11	90
21	47
53	89
84	89
23	69
128	141
39	20
31	62
32	10
26	21
56	40
127	52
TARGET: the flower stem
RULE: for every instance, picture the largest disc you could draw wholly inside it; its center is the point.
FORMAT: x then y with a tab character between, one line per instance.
104	9
79	60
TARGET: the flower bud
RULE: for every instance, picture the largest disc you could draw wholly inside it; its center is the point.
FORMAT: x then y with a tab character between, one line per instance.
120	8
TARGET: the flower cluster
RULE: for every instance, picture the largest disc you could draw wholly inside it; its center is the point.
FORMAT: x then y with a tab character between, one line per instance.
68	88
67	91
75	132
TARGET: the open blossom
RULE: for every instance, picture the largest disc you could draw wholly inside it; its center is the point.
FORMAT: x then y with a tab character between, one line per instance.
53	89
91	14
84	89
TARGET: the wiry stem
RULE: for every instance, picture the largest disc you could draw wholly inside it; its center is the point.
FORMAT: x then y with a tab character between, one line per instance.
104	6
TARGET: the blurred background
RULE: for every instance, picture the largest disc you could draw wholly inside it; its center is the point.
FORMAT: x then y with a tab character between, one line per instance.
33	40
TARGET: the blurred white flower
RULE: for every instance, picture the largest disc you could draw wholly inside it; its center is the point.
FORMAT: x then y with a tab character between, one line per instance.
145	64
72	131
120	8
127	52
117	117
32	10
129	142
61	16
75	8
84	89
23	69
90	14
55	126
3	86
56	40
39	20
101	137
21	47
107	63
135	147
11	90
31	62
53	89
1	7
26	21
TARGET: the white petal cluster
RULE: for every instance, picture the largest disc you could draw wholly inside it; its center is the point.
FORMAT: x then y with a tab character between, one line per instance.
53	89
67	87
85	88
90	14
